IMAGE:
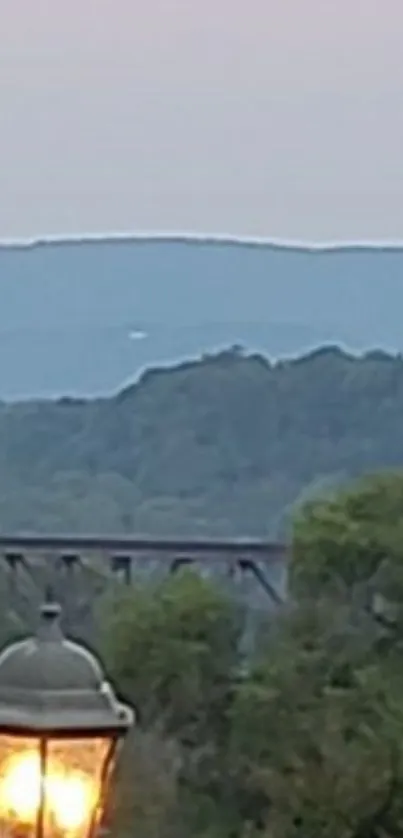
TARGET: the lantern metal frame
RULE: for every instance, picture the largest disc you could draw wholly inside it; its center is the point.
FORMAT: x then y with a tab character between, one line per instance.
52	690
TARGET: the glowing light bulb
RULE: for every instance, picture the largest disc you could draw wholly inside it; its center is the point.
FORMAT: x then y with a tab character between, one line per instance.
20	790
69	799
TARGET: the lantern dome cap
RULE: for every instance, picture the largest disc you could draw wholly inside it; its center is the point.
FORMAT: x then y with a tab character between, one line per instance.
48	661
49	681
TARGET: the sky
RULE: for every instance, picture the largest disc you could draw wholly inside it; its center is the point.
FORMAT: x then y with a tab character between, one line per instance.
270	118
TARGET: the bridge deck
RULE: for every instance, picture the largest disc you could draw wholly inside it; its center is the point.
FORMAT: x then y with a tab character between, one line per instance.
202	548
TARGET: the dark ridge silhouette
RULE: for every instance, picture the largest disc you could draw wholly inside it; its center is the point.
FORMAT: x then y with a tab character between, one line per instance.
220	447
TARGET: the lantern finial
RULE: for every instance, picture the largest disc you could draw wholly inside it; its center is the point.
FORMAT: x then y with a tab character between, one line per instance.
49	626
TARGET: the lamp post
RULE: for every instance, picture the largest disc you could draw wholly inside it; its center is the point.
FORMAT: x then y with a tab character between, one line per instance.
60	727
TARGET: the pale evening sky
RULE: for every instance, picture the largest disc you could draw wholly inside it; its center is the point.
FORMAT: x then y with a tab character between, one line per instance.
277	118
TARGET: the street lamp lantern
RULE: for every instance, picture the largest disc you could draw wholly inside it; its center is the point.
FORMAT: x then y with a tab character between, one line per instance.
60	727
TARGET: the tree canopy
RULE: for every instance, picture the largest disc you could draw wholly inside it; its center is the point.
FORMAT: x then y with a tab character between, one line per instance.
301	739
226	446
306	741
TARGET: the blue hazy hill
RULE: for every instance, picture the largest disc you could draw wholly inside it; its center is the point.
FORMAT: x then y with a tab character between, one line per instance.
85	317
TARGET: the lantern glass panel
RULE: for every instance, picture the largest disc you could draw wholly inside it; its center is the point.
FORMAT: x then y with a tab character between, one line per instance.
74	787
20	786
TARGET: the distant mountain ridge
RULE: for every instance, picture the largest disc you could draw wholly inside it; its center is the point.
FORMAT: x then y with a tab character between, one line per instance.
69	310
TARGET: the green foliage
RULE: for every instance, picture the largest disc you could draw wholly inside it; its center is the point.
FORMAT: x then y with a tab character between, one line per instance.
353	539
173	651
321	737
305	743
173	648
226	445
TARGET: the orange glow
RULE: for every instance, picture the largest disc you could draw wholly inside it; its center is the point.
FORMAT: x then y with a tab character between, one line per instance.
21	787
70	795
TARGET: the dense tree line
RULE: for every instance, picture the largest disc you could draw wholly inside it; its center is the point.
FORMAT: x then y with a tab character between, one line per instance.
306	741
226	445
301	739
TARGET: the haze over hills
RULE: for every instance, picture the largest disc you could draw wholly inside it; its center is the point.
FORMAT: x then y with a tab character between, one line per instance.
86	317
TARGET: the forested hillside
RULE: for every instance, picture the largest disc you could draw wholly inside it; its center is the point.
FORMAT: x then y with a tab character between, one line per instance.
221	446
